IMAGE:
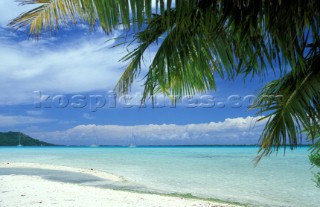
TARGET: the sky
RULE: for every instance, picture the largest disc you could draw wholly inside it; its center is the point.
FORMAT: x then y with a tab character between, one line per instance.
59	89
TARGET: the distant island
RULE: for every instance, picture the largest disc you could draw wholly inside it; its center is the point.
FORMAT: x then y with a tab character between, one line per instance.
20	139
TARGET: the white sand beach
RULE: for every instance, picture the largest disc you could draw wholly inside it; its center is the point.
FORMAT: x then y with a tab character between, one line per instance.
22	190
103	175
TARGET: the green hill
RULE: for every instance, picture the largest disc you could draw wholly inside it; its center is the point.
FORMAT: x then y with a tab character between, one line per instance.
12	139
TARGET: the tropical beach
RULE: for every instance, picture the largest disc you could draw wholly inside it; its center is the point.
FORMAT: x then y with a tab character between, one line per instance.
181	176
160	103
36	191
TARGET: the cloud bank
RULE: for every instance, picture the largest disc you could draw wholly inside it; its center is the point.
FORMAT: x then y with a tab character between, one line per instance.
230	131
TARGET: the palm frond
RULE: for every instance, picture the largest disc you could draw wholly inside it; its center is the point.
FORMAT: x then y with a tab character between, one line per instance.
48	15
296	108
172	70
239	39
110	14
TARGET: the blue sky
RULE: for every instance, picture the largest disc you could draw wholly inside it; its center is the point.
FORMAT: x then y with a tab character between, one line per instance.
58	89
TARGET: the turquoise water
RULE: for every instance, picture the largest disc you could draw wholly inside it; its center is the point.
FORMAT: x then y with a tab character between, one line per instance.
225	173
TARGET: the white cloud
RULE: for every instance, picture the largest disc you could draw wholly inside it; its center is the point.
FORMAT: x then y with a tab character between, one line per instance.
81	65
230	131
8	121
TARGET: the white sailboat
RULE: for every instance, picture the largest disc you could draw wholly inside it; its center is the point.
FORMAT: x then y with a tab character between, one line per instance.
133	142
95	143
19	145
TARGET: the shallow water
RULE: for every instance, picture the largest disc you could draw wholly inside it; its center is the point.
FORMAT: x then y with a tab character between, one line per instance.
225	173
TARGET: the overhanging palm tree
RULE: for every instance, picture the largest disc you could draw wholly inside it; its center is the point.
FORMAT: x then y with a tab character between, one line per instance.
205	39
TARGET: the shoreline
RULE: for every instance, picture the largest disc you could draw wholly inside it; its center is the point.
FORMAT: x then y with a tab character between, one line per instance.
89	171
29	190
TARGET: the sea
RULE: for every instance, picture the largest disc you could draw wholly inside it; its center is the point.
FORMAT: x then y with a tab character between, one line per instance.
224	173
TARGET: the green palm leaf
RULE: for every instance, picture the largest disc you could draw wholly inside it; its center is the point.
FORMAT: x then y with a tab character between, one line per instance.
296	108
110	14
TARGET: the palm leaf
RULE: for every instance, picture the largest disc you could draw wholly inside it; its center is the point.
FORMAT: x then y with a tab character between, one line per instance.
295	109
110	14
48	15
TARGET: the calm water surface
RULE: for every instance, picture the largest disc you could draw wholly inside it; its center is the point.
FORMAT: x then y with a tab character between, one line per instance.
226	173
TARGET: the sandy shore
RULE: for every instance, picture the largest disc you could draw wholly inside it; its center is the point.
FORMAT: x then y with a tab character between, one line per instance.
21	190
103	175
